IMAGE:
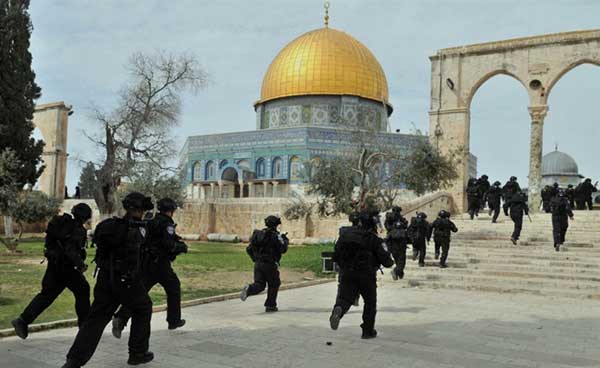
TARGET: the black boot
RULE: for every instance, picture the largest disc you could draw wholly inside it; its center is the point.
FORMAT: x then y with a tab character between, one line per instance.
173	326
271	309
336	316
21	328
140	358
369	334
118	325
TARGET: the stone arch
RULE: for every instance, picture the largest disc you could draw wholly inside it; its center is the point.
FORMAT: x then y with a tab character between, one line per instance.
52	120
481	81
261	168
567	69
197	171
536	62
295	169
230	174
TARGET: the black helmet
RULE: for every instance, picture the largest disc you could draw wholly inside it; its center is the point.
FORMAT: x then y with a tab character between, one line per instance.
588	180
570	186
497	183
561	193
422	215
368	219
272	221
81	212
137	201
555	185
444	214
513	178
354	218
484	176
397	209
166	204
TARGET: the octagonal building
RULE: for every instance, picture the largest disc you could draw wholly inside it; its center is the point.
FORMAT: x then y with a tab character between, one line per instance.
320	89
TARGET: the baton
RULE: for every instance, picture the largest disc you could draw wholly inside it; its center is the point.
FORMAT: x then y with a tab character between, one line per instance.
529	218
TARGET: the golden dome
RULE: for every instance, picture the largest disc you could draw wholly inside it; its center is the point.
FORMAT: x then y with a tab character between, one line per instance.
325	62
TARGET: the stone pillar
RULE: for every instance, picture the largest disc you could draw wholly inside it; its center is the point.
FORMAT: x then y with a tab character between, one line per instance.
220	190
265	187
275	192
538	113
212	190
202	193
250	189
194	191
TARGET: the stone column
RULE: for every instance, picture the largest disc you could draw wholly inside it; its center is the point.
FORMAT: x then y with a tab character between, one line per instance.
195	191
275	192
220	191
250	189
265	187
202	193
212	190
538	113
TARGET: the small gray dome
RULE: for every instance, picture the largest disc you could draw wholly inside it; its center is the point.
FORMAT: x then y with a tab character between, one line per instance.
559	163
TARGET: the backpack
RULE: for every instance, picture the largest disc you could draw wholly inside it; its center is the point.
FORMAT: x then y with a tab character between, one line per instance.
105	240
352	251
58	231
263	248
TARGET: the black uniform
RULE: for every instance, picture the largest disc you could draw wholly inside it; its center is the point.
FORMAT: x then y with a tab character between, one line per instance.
570	194
119	282
518	206
65	250
359	253
586	193
547	195
473	200
442	228
484	186
419	232
161	247
494	198
265	250
397	240
509	189
561	211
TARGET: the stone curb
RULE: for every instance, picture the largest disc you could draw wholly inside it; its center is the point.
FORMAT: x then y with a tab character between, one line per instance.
65	323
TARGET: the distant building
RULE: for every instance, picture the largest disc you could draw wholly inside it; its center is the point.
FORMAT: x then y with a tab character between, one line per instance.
558	167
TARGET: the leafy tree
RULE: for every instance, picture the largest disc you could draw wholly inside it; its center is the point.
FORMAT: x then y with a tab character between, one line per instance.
9	191
18	91
88	184
32	207
138	130
150	181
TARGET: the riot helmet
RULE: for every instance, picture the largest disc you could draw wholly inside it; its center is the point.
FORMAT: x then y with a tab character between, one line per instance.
588	180
354	218
368	219
570	186
81	212
444	214
166	205
555	185
137	201
513	178
421	215
397	210
272	221
497	183
485	177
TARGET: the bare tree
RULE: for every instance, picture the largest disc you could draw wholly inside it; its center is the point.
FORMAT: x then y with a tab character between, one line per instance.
139	129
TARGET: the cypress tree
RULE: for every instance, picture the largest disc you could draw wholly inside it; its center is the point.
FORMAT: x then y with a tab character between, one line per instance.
18	91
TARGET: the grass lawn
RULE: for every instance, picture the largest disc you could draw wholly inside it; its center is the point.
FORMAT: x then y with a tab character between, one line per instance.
207	269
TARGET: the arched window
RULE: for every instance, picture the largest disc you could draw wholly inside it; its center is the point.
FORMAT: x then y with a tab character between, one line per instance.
222	164
196	171
210	170
295	169
314	165
260	168
277	167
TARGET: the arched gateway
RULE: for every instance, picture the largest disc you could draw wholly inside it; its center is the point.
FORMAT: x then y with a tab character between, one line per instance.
536	62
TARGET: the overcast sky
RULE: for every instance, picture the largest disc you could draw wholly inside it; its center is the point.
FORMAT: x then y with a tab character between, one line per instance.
80	48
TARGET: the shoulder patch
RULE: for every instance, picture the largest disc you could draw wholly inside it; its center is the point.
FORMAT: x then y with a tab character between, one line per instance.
171	230
143	231
384	246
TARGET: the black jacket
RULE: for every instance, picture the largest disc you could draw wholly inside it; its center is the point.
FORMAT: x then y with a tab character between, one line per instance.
360	250
442	228
494	195
65	242
517	205
267	246
162	239
561	207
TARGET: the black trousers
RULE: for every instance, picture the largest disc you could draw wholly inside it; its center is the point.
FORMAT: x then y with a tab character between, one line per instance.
419	250
560	224
546	206
160	272
398	250
444	245
580	204
107	298
495	209
266	274
352	284
473	207
589	203
56	279
518	220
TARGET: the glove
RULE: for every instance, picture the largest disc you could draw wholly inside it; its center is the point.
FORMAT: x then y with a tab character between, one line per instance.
180	248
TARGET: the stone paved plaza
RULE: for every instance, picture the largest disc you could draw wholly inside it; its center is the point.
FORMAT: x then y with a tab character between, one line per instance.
417	328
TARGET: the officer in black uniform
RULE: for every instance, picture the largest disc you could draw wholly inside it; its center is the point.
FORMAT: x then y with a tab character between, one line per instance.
118	258
64	248
419	232
442	228
359	253
570	194
473	200
483	184
546	198
161	247
518	206
561	211
586	193
397	239
511	188
494	198
265	250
